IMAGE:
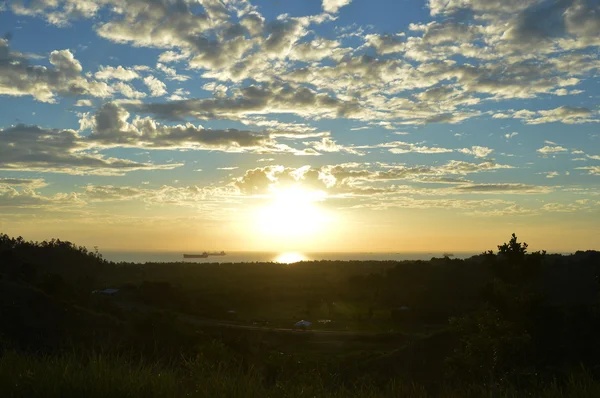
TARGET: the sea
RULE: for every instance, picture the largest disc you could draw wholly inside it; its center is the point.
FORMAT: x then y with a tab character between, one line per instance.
280	257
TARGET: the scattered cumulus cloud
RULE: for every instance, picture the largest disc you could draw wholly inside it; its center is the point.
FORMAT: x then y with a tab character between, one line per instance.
333	6
156	87
551	149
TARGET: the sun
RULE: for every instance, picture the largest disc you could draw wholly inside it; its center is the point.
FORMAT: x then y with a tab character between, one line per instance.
290	258
292	213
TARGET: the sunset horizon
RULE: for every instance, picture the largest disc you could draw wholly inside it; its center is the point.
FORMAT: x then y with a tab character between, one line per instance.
313	126
300	198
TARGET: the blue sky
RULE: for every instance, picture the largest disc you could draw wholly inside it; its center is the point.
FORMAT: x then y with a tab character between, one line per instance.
401	125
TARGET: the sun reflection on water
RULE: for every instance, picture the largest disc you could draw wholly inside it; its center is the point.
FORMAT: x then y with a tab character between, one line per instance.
290	258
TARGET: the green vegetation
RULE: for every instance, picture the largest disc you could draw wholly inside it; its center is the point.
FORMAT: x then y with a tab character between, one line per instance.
72	375
505	324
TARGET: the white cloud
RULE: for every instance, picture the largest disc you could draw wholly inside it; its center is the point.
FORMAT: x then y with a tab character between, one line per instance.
156	87
27	197
128	91
594	170
118	73
477	151
172	56
563	114
179	95
328	145
171	73
83	102
19	78
552	149
333	6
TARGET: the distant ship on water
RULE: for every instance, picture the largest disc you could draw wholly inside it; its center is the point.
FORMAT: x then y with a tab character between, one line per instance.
204	254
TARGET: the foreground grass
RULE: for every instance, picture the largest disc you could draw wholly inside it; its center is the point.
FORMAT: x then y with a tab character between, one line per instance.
77	375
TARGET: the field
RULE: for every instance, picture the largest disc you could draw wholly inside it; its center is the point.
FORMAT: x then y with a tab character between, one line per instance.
493	325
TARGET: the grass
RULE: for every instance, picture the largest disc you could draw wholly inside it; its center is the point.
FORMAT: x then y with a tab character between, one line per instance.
81	375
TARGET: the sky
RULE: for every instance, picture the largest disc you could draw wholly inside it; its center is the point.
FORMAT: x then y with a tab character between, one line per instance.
314	125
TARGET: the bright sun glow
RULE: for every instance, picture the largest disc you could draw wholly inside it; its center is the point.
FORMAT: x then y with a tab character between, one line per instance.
292	214
289	258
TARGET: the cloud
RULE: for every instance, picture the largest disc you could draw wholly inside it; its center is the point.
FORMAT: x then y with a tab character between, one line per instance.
179	95
400	147
507	6
83	102
188	196
479	208
19	78
504	189
317	50
329	145
333	6
157	88
405	147
593	170
118	73
32	148
128	91
512	210
172	56
349	178
255	100
171	73
235	43
551	149
111	127
563	114
24	182
477	151
386	44
576	206
109	193
27	197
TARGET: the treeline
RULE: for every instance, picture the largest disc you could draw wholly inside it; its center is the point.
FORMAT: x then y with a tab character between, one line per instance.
514	317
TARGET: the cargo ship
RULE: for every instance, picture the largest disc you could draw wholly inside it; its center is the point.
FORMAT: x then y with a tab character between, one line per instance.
203	255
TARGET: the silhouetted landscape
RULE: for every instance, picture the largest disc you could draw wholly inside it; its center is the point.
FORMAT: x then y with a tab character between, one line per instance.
504	323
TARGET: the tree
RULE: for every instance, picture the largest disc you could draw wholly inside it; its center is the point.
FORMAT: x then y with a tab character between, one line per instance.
496	338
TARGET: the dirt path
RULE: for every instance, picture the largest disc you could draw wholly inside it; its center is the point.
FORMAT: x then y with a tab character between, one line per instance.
224	324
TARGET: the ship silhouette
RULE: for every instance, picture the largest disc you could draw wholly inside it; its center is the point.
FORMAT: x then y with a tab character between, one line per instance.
204	254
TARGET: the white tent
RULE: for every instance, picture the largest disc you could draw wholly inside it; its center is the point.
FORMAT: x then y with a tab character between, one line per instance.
302	324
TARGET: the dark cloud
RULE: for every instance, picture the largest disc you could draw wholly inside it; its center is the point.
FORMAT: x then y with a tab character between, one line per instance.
503	188
252	100
25	147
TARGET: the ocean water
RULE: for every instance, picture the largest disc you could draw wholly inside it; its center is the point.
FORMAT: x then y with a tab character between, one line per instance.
282	257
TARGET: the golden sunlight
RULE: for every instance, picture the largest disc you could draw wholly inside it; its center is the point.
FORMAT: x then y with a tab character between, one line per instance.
292	214
290	258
